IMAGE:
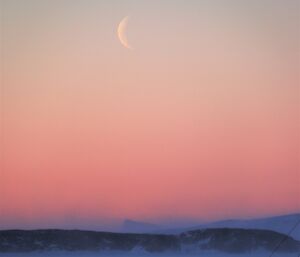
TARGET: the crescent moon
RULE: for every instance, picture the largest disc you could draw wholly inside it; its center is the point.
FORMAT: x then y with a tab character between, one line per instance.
122	33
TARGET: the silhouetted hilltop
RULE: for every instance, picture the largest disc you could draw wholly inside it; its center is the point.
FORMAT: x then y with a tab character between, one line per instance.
132	226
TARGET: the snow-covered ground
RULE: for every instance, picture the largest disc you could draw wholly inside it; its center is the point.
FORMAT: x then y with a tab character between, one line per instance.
95	254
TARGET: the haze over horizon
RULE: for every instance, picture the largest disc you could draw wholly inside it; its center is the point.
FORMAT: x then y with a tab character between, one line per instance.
199	122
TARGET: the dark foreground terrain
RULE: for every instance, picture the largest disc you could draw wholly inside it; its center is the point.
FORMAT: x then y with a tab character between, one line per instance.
220	239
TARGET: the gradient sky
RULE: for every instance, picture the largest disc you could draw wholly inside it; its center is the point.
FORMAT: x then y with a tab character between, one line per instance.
199	122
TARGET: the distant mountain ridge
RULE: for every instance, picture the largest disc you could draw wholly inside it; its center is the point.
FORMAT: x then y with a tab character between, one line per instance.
282	224
220	239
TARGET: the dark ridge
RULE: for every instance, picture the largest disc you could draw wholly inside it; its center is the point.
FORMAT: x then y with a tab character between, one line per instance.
222	239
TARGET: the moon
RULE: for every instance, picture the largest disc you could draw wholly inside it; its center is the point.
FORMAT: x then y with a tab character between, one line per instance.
122	33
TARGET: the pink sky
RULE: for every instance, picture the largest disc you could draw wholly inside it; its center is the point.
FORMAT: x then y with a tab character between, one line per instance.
199	121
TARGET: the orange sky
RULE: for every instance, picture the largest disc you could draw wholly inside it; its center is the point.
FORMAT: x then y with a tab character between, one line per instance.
200	121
